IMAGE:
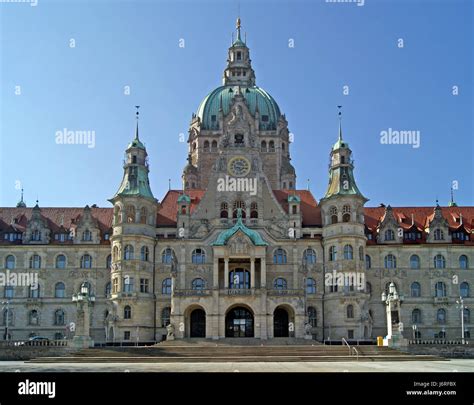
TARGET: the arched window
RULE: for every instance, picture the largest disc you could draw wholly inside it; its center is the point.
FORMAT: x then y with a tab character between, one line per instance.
263	146
309	256
332	254
348	252
239	278
350	311
310	286
438	234
60	262
59	290
128	252
108	289
224	210
198	284
464	289
10	262
389	235
441	316
237	205
143	215
206	145
279	256
467	315
312	317
361	253
33	317
166	286
86	261
463	262
390	261
34	291
439	262
414	262
130	213
333	214
59	317
280	284
144	253
199	256
165	317
115	252
167	256
35	262
415	289
346	213
108	262
271	146
87	235
416	316
254	210
368	262
440	289
214	145
127	312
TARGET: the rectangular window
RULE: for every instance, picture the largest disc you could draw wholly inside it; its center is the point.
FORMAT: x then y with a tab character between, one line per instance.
144	285
115	285
350	334
239	55
126	335
128	284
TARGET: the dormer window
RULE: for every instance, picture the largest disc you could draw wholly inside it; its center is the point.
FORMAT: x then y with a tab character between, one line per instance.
87	236
389	235
438	234
36	236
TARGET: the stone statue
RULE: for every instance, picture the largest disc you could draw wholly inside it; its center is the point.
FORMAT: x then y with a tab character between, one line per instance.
307	329
170	329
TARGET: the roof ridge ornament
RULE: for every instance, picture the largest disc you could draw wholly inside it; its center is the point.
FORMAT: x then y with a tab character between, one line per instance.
137	114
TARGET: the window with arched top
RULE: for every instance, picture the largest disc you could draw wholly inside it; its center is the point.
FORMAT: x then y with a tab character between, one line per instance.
239	279
463	262
441	316
390	261
312	317
414	262
271	146
389	235
143	215
87	235
348	252
108	262
333	214
10	262
350	311
167	256
144	253
263	146
214	145
35	261
279	256
280	284
415	289
309	256
165	317
60	261
224	210
130	214
439	262
416	316
86	261
166	286
235	209
198	284
115	253
59	290
310	286
33	317
440	289
368	262
206	145
438	234
346	213
464	289
59	317
332	254
128	252
199	256
254	210
127	312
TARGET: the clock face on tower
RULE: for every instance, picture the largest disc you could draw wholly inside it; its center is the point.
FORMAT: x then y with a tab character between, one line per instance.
238	166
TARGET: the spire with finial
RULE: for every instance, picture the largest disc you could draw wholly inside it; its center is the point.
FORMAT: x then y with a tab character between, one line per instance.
307	184
452	203
340	122
237	26
137	114
21	203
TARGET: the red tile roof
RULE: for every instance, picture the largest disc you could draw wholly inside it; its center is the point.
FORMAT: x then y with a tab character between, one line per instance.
311	213
169	206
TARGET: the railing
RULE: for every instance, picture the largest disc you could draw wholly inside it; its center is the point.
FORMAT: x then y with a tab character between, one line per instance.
21	343
438	342
192	293
286	292
356	352
441	300
352	349
239	291
344	341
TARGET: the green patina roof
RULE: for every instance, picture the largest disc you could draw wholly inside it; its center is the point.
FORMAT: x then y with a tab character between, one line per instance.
140	187
254	96
238	42
254	236
336	183
136	143
340	144
294	198
184	197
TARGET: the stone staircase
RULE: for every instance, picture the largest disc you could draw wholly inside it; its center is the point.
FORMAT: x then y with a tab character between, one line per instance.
230	350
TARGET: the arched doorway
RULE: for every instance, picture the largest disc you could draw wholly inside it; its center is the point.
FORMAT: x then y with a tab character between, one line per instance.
239	323
198	324
280	323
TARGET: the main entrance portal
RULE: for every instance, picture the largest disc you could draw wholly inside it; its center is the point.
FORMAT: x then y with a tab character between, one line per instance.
280	323
198	324
239	323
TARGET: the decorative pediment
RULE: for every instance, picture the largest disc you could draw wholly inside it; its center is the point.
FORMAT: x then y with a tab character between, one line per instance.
438	229
87	228
37	230
239	244
389	230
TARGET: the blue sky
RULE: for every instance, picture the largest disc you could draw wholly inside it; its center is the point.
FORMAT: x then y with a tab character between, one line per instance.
136	44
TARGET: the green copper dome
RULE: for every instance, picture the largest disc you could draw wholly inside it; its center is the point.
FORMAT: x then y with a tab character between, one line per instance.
269	111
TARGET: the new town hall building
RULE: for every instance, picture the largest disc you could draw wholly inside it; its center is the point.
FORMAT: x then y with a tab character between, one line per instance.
239	251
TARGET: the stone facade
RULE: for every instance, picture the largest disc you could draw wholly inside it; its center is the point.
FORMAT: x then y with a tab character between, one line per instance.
239	252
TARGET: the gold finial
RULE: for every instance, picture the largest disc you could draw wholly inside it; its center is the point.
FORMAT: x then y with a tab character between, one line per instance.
238	23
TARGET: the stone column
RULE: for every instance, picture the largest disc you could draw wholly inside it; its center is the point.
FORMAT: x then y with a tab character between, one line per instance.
263	272
226	272
252	272
215	273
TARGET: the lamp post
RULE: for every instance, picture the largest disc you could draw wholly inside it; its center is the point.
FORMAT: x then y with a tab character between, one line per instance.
6	306
84	299
461	307
392	301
